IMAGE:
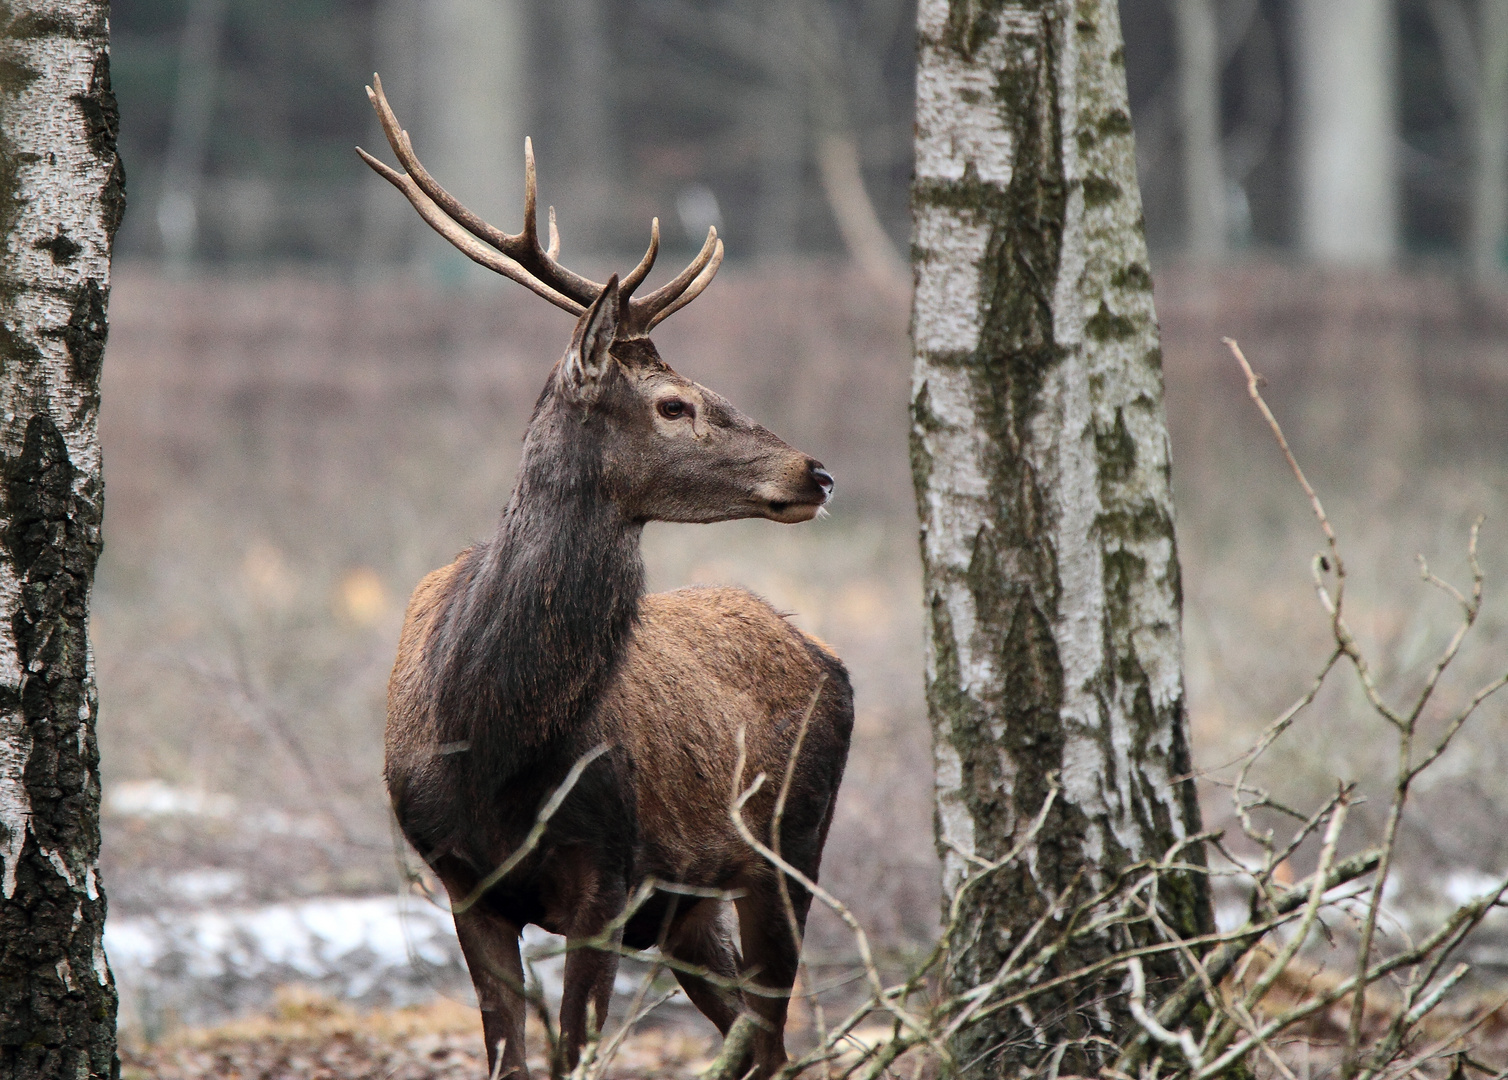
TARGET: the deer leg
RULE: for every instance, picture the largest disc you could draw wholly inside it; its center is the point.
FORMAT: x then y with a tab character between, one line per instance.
770	958
589	975
490	945
701	937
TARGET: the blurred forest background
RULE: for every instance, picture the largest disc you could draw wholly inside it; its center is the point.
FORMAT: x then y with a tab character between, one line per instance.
311	401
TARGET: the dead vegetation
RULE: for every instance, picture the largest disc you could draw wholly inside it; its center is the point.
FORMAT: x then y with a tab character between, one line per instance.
314	1037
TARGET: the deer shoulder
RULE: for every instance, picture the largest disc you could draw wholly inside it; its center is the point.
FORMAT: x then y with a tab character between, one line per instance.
704	667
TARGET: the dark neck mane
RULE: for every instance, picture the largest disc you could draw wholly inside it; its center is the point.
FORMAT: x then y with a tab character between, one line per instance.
539	614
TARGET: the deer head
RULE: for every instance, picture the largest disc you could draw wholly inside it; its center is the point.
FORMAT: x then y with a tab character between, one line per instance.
658	445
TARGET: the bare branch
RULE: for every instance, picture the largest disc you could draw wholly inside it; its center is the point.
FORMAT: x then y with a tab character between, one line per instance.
541	822
1182	1039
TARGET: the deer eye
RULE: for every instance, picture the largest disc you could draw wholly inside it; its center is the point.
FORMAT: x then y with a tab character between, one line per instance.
674	409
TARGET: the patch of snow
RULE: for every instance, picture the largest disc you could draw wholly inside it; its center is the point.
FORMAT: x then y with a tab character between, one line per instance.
202	966
158	798
208	883
1464	886
1231	915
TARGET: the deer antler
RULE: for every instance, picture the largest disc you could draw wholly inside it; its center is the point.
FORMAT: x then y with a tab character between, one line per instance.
519	256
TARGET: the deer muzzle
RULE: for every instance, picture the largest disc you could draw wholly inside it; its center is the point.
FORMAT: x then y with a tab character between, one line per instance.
799	498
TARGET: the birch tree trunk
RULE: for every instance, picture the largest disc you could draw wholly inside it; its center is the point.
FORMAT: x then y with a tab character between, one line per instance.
1040	456
61	196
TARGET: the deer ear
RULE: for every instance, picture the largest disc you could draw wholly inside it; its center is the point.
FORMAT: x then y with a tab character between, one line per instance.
587	360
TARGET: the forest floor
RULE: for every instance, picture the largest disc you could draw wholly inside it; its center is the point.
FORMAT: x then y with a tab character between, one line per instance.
315	1038
307	1036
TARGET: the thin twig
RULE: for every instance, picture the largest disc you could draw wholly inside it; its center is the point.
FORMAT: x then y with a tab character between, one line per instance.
541	822
1182	1039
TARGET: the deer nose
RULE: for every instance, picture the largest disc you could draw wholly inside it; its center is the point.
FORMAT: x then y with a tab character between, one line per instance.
823	477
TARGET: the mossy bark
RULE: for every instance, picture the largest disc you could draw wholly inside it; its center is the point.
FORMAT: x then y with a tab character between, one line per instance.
61	196
1040	456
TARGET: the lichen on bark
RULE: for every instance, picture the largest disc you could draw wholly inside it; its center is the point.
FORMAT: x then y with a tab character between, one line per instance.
1040	455
61	199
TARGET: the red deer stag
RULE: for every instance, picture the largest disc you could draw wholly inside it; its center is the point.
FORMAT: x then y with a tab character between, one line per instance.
538	645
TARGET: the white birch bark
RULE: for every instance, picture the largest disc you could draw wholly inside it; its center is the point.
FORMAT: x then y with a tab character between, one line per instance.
1041	463
61	197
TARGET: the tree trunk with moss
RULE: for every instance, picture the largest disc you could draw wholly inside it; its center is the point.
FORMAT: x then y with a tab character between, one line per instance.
61	197
1040	454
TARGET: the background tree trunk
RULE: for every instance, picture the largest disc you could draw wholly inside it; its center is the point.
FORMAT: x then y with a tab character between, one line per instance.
188	138
1040	456
1489	203
1199	129
471	122
781	130
585	104
61	197
1349	197
390	230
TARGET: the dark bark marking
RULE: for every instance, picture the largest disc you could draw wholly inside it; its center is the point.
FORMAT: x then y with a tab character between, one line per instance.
45	24
15	76
923	421
1116	452
16	351
1123	570
10	188
102	128
1104	325
58	1021
62	247
101	113
1098	191
1115	122
85	336
1132	276
1143	521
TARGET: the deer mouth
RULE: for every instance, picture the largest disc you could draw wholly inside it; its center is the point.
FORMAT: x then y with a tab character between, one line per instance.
801	500
792	511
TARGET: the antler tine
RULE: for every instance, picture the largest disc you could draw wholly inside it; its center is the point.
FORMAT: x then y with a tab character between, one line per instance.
568	281
700	282
531	197
637	275
644	310
523	248
520	256
403	149
467	244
